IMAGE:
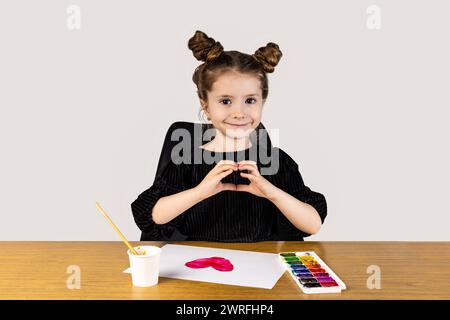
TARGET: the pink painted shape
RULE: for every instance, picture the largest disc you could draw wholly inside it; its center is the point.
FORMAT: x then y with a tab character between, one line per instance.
218	263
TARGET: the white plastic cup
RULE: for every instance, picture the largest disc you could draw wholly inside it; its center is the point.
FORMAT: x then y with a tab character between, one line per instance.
145	267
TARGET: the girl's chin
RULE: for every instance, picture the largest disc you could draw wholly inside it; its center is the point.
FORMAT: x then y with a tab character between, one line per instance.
237	135
246	129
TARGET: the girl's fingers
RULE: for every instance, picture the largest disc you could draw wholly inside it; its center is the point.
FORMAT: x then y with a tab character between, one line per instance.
242	187
250	168
247	163
223	164
223	168
223	174
248	176
226	161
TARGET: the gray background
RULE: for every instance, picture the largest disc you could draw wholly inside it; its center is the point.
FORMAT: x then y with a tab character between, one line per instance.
84	112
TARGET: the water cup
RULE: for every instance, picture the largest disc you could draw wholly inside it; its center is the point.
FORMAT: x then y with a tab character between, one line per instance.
145	267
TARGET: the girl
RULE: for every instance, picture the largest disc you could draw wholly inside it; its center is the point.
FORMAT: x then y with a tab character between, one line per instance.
230	200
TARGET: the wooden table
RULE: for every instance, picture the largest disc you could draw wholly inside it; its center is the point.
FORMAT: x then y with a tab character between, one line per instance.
38	270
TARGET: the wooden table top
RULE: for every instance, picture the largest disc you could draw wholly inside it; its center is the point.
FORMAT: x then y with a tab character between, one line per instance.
38	270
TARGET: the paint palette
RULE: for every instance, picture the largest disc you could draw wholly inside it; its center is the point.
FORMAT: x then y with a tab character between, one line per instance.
310	273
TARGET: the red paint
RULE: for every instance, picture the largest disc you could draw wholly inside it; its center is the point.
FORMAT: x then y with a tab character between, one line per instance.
218	263
329	284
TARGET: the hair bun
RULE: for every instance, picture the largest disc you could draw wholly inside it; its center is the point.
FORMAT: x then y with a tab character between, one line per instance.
268	56
203	47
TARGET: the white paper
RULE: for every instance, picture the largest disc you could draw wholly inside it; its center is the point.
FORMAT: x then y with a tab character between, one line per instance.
251	269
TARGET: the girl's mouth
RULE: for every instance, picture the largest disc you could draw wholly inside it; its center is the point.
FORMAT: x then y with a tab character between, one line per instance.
238	125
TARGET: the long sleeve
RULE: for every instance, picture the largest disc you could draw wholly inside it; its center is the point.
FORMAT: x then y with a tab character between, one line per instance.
142	207
292	183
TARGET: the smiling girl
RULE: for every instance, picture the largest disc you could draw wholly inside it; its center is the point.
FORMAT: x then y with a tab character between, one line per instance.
219	201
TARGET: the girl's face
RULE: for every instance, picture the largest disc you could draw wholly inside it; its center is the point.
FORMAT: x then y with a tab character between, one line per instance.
235	104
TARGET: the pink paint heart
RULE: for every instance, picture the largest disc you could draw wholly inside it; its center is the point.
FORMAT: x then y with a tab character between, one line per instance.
218	263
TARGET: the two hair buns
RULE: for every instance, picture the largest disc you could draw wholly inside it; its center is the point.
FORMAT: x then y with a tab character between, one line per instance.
207	49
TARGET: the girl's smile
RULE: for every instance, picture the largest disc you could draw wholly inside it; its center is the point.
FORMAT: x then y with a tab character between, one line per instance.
238	125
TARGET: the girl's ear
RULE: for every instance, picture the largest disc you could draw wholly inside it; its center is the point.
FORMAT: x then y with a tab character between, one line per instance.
204	108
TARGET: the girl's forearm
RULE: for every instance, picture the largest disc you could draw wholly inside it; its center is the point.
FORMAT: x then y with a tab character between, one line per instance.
302	215
169	207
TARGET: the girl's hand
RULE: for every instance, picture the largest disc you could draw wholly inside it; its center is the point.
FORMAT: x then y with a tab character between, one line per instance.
258	186
211	184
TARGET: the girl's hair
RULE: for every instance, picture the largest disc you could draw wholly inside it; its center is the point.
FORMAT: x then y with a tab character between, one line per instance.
217	61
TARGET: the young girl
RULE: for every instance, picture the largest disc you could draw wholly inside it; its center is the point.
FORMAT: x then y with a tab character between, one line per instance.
230	200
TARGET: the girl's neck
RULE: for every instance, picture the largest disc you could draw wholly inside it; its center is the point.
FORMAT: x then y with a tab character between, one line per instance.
226	144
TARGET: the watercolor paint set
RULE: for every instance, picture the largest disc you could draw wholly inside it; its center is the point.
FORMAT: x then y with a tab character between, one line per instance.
310	273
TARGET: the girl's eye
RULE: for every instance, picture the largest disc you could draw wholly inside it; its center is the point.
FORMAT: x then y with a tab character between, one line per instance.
247	101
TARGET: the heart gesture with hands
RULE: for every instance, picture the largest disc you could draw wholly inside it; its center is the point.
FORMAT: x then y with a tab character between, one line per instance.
259	186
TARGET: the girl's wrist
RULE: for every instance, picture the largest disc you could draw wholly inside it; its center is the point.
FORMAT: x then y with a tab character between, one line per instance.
197	195
275	194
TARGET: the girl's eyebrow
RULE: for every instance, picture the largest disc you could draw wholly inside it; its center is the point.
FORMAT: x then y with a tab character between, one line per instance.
230	96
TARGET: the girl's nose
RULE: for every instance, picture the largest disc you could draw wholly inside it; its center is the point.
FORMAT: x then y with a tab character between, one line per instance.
238	116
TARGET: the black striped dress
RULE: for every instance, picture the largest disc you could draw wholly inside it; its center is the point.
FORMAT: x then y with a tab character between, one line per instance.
228	216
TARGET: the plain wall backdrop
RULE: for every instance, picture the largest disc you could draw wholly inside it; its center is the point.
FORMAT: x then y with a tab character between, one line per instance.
364	112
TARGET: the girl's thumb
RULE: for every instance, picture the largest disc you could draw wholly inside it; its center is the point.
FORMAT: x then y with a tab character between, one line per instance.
228	186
